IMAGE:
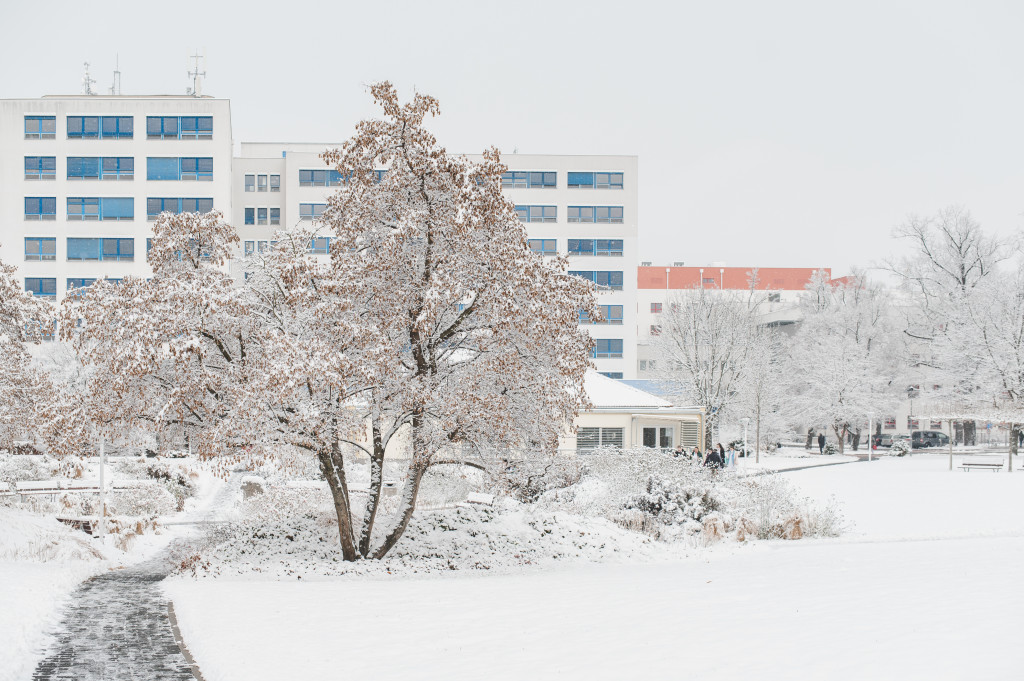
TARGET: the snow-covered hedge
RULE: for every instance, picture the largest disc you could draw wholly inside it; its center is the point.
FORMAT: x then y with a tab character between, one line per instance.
899	448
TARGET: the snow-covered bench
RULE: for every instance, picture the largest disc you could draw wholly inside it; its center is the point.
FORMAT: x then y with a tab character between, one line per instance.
477	499
986	464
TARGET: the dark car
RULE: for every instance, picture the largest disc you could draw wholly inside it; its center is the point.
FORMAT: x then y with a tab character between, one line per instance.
883	441
920	439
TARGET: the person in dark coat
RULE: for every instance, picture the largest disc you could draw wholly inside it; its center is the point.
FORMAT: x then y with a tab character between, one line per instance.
821	443
713	460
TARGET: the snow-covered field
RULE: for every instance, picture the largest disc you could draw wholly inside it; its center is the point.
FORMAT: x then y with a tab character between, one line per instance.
916	589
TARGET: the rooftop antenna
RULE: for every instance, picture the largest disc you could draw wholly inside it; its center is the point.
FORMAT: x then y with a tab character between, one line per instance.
87	82
196	75
115	88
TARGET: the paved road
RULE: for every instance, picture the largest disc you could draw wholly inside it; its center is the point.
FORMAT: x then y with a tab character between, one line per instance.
117	626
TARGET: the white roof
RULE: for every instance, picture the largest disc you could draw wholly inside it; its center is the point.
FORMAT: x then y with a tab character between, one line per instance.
607	393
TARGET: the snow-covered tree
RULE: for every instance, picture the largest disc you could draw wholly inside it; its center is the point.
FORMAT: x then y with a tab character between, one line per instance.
432	326
846	358
706	340
763	395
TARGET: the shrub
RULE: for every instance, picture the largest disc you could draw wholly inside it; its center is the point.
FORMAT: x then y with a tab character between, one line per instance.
831	448
899	448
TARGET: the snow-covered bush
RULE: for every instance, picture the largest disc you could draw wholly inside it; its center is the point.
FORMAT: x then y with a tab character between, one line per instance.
526	480
899	448
672	503
771	505
831	449
142	500
15	469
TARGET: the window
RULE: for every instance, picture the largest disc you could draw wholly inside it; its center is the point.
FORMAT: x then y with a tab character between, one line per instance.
83	167
185	168
92	208
40	208
261	183
40	167
655	329
655	308
522	179
40	127
912	423
41	286
42	248
706	280
612	247
611	314
544	246
605	280
935	424
612	374
275	216
88	248
890	423
155	206
101	167
179	127
118	168
648	364
310	211
322	178
250	183
598	214
592	438
80	283
320	245
607	347
94	127
261	216
262	246
594	180
275	183
250	247
379	175
537	213
250	216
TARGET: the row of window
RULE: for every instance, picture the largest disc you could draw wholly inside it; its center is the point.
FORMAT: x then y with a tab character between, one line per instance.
527	179
121	127
607	247
111	208
612	314
912	423
595	214
47	286
260	182
607	347
262	216
120	168
44	248
611	281
326	177
320	245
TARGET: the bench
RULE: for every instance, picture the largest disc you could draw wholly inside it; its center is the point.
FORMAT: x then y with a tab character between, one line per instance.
83	524
985	464
477	500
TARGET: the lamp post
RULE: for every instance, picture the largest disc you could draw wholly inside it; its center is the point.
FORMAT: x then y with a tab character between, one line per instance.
746	452
721	278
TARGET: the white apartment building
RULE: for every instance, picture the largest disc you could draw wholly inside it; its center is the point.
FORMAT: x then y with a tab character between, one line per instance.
84	176
581	206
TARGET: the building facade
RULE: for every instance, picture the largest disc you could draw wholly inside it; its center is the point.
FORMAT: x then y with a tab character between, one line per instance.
83	178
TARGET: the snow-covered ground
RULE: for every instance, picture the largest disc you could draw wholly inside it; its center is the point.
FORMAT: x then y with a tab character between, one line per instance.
914	590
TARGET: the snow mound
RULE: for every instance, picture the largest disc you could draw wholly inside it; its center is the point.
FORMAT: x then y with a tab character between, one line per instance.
451	539
30	537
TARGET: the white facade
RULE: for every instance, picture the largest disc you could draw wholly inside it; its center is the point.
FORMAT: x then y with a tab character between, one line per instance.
76	199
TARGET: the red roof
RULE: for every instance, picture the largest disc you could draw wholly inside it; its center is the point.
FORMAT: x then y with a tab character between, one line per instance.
738	278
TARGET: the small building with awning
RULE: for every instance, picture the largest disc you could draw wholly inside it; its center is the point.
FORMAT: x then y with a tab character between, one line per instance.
624	416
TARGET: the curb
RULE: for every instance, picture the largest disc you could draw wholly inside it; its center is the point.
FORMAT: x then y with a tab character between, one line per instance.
181	643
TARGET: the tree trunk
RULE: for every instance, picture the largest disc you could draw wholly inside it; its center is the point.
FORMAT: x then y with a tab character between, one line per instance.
333	466
1015	429
970	433
841	436
408	505
376	484
856	439
810	438
709	432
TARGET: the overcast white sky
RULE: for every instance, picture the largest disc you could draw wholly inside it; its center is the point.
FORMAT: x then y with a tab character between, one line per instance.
768	133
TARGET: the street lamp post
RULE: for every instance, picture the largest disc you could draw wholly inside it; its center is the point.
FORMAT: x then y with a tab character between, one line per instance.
746	452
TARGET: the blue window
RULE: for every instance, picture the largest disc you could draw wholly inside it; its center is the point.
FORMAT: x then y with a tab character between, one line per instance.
41	286
101	167
607	347
544	246
261	216
250	216
41	248
378	176
88	248
275	183
522	179
95	127
320	245
40	127
611	374
311	211
179	127
599	214
317	178
250	247
537	213
605	280
275	216
40	208
80	282
612	314
594	180
185	168
93	208
595	246
40	167
155	206
250	183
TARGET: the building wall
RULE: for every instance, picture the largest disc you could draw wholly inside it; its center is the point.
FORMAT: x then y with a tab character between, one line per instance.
16	147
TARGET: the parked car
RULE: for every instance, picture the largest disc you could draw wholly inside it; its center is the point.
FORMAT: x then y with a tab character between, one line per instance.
920	439
881	441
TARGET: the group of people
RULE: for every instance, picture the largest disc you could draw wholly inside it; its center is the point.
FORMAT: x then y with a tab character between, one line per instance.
715	457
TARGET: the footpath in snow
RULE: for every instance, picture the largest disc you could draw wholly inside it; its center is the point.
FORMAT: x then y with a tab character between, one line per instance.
911	591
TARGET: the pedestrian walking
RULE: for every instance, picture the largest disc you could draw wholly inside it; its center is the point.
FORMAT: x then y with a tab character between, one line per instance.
713	460
821	443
